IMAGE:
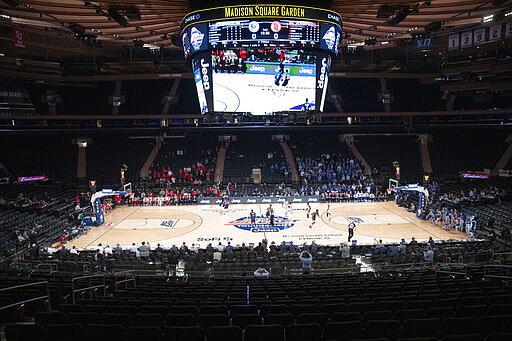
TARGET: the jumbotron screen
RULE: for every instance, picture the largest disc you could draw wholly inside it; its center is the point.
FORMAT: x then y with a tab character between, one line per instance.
261	58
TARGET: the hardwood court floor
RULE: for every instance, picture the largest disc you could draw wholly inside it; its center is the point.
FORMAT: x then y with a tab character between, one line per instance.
202	224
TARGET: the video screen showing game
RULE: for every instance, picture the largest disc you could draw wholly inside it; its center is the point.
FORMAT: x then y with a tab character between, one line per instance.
263	80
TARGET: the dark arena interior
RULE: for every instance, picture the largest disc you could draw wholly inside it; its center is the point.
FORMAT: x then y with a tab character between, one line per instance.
290	170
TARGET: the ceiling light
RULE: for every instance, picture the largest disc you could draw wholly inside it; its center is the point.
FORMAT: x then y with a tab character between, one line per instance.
488	18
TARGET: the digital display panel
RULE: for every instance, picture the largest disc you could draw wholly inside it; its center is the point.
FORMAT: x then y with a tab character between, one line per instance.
262	81
264	33
194	39
201	67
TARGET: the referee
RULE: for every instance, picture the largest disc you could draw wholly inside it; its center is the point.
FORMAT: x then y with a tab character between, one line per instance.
351	228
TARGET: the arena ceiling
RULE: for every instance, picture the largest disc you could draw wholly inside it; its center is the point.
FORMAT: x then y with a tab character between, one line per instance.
67	28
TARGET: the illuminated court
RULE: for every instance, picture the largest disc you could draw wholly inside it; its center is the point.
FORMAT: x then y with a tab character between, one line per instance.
202	224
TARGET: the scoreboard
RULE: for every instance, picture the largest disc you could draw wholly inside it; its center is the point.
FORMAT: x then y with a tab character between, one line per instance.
264	33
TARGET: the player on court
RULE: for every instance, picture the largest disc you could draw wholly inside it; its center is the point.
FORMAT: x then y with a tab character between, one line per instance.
314	214
308	210
270	215
327	213
288	210
252	216
351	227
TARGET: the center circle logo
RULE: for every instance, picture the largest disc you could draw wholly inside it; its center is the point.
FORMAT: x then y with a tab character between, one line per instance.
262	224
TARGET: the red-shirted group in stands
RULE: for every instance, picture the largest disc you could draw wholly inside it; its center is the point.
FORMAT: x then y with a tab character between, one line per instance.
196	174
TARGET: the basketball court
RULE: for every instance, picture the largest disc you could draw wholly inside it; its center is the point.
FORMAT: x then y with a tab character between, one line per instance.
203	224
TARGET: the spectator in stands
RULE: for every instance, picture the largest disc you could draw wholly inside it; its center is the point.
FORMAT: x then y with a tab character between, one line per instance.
306	259
345	253
184	250
73	250
133	249
393	249
117	250
313	247
99	257
63	250
428	255
261	272
144	251
431	242
34	252
220	247
108	250
413	244
228	248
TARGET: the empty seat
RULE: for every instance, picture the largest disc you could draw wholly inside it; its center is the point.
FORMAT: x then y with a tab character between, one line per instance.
137	333
494	337
189	333
243	309
208	320
153	309
342	330
184	309
273	309
84	318
458	325
172	319
471	310
24	332
141	319
463	337
243	320
224	333
111	332
303	332
361	306
96	308
68	308
320	318
495	323
440	312
272	332
62	332
421	327
281	319
378	315
331	308
346	316
403	314
125	309
214	309
378	328
297	309
44	317
500	309
116	318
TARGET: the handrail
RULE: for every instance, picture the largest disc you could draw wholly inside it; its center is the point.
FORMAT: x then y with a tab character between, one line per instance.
38	298
441	268
52	266
507	276
495	256
126	279
90	287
